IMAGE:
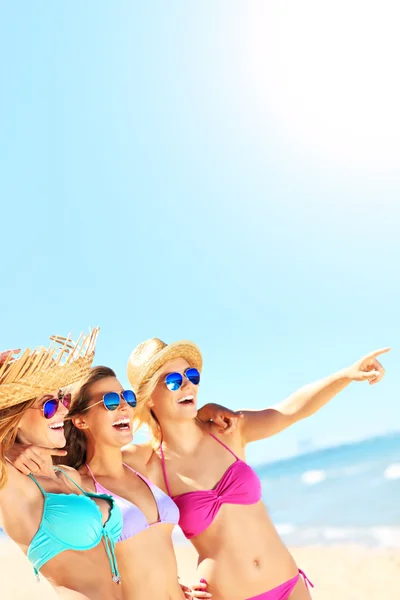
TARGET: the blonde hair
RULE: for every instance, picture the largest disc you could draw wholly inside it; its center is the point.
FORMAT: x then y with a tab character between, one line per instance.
10	418
144	415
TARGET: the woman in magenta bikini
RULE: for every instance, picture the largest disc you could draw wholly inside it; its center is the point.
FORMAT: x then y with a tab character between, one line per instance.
241	555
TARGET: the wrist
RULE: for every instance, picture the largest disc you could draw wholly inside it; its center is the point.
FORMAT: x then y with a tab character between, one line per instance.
203	413
345	375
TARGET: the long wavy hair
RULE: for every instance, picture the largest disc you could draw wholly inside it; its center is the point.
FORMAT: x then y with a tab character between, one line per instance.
9	420
76	439
144	415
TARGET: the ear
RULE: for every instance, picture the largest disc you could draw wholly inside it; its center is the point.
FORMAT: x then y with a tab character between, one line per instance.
79	422
150	403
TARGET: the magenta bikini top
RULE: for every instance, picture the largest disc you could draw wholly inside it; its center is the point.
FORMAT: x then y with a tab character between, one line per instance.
238	485
134	521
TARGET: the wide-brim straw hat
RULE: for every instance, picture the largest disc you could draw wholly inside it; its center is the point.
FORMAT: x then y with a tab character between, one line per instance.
38	372
152	354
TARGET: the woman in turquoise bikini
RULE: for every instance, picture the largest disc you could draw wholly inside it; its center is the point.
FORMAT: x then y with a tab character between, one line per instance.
67	533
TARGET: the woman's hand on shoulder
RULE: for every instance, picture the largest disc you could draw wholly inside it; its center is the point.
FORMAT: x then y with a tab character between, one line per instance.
29	458
225	419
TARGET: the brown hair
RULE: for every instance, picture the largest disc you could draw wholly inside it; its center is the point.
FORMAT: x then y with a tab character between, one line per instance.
9	420
76	438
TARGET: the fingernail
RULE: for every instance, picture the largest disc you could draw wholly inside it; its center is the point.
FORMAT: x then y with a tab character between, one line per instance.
203	581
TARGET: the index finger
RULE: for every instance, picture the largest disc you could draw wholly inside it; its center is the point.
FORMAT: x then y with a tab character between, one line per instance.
220	421
52	451
231	422
378	352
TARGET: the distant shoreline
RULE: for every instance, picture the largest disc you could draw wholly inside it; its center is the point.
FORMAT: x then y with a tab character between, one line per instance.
321	450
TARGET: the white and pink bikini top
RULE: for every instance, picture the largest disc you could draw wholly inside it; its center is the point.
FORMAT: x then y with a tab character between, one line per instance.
134	521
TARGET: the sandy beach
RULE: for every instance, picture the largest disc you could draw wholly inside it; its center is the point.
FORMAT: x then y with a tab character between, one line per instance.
338	573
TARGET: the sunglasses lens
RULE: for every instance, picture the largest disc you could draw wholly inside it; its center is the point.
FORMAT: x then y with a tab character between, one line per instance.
173	381
193	375
129	397
111	400
67	401
50	408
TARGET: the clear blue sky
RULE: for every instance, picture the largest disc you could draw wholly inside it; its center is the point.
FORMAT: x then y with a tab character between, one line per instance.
223	172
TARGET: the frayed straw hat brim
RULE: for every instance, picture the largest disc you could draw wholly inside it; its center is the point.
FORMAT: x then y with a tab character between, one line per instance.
44	370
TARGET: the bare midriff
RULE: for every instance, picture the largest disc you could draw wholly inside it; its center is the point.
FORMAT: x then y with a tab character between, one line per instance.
76	574
148	566
241	554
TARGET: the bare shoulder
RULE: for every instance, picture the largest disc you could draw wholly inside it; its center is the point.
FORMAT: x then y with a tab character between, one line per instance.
16	481
232	440
137	455
71	473
18	499
144	459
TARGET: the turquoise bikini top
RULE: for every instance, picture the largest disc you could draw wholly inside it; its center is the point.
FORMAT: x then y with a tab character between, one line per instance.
74	522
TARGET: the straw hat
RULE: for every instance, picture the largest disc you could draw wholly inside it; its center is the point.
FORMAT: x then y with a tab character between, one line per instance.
152	354
37	372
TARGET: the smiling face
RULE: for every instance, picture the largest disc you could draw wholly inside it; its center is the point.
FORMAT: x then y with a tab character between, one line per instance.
174	405
35	429
102	426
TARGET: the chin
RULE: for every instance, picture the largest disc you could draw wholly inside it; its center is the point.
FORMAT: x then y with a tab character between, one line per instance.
191	413
57	443
123	438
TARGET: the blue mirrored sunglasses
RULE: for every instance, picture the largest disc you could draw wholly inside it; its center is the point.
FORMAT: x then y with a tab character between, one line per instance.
174	381
112	400
50	407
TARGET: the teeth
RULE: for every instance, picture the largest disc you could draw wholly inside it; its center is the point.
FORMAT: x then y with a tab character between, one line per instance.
121	422
185	398
57	425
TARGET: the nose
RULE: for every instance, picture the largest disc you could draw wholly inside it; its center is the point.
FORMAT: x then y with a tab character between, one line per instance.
186	383
123	405
125	408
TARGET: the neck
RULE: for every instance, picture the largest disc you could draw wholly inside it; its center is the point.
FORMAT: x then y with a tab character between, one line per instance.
47	469
105	460
182	437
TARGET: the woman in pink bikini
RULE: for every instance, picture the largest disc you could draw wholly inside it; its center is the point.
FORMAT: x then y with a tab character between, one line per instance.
241	555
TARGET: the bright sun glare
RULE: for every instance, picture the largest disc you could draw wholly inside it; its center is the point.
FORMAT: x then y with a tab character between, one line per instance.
328	75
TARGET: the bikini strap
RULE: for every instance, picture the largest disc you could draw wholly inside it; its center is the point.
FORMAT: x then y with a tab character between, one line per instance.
142	477
132	469
224	445
38	484
164	468
91	474
306	580
72	480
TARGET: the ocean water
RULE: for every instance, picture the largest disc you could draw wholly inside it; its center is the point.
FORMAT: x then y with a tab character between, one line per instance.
346	494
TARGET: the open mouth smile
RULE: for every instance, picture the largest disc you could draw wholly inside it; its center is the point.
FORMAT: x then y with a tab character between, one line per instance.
58	426
186	400
122	424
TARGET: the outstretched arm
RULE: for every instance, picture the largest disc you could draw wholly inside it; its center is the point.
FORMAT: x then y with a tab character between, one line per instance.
260	424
